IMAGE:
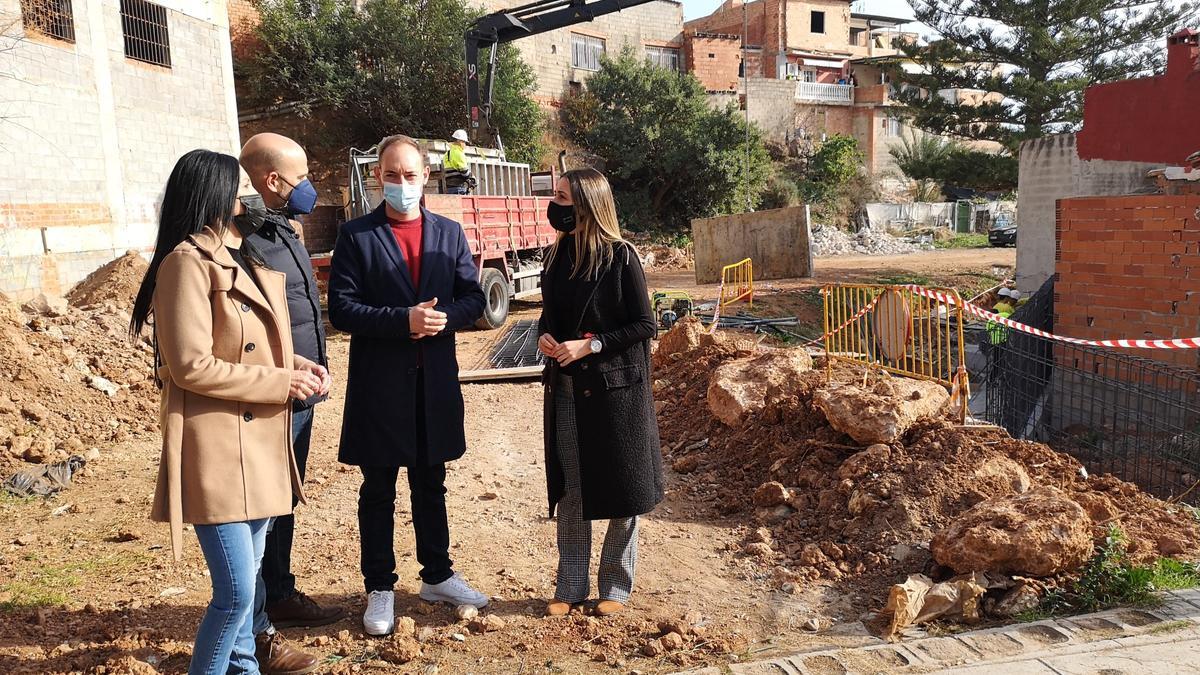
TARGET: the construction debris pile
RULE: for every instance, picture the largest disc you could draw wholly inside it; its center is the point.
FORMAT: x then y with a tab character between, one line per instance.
864	478
828	241
659	257
71	382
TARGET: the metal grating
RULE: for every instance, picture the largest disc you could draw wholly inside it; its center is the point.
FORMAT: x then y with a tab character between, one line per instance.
144	25
517	348
1115	412
52	18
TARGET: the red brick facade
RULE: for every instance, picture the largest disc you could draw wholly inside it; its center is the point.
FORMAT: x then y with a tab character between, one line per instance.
243	20
1129	267
715	59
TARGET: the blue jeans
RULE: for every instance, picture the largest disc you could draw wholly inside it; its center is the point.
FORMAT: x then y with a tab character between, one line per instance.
275	579
225	639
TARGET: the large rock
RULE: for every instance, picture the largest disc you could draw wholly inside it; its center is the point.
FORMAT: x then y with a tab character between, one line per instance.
1038	533
881	414
739	388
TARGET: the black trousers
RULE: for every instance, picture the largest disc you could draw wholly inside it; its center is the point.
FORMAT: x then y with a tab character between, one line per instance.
377	519
277	557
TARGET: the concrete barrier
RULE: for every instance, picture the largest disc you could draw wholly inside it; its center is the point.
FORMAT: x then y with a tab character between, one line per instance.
778	241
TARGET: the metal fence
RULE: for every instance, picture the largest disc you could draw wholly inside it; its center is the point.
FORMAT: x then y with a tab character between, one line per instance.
1133	417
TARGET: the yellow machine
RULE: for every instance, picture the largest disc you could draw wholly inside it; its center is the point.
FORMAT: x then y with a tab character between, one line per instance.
669	307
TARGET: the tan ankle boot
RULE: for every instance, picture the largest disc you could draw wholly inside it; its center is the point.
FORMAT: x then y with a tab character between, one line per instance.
608	607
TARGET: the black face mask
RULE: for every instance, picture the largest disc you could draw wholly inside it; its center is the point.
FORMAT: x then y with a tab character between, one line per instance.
561	216
254	212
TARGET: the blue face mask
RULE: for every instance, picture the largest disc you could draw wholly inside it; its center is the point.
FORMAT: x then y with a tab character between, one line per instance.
403	197
303	198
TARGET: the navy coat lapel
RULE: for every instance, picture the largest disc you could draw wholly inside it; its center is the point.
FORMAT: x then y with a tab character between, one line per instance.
431	243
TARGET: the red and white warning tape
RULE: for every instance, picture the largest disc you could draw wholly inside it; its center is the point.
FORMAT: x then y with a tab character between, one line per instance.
1177	343
976	310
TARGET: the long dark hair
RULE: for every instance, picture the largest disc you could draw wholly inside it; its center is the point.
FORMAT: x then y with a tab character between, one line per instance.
199	194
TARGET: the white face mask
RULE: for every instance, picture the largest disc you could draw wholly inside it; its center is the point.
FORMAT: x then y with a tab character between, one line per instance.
403	197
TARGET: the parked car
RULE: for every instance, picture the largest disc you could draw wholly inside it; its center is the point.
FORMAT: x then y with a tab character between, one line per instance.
1003	232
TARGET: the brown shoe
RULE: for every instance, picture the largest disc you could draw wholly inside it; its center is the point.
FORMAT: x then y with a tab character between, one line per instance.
557	607
276	658
301	611
608	607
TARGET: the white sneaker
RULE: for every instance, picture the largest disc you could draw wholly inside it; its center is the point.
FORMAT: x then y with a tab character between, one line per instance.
380	617
455	591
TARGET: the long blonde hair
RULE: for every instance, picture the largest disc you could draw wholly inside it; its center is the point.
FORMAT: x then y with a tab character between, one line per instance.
597	231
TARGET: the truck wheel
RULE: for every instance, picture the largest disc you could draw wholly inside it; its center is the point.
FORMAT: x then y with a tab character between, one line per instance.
495	294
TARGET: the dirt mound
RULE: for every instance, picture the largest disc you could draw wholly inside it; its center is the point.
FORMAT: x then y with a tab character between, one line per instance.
739	388
870	513
115	283
1039	533
70	384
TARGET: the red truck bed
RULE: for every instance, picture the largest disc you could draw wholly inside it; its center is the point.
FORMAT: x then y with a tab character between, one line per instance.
494	226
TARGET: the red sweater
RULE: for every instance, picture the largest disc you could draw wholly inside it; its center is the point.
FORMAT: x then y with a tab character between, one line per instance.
408	237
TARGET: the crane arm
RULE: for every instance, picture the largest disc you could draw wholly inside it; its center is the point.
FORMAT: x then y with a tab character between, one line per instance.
494	29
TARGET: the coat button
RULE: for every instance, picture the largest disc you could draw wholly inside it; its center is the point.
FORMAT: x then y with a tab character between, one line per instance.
245	307
250	347
587	392
248	416
583	366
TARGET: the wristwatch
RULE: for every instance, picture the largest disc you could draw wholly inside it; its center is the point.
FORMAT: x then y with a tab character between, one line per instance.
596	345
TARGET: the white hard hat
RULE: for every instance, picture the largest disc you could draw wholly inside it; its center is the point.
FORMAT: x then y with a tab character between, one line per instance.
460	135
1014	294
1004	292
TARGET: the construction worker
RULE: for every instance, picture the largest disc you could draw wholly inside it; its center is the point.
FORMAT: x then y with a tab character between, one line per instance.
455	168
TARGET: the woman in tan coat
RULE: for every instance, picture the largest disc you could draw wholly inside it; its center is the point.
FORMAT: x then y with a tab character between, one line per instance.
225	363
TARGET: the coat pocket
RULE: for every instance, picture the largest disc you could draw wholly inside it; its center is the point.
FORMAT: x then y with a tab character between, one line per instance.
625	376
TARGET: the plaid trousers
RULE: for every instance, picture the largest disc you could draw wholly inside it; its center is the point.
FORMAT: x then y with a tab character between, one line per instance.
618	558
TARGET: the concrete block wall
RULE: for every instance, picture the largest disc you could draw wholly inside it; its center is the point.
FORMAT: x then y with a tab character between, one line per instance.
1129	267
1051	169
94	136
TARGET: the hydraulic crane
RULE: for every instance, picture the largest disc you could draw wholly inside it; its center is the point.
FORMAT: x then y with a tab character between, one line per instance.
508	25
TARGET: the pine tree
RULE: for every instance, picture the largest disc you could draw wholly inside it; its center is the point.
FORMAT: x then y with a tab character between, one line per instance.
1035	57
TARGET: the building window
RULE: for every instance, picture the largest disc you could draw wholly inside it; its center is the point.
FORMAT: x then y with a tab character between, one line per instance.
818	22
808	76
52	18
891	126
144	25
586	51
663	57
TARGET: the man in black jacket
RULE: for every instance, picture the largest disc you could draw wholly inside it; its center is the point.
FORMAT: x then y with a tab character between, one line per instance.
278	168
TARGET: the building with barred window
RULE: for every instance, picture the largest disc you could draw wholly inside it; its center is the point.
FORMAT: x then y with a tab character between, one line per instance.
98	99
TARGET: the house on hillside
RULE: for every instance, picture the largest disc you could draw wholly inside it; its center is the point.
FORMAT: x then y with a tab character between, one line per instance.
812	69
99	100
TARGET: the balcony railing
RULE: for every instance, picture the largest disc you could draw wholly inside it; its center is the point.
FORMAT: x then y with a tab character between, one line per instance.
837	94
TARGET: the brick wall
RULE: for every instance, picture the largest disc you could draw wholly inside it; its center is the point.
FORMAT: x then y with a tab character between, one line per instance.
243	20
98	136
714	59
1129	267
1051	169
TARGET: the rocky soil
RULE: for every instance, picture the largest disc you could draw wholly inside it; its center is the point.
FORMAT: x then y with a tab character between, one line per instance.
836	485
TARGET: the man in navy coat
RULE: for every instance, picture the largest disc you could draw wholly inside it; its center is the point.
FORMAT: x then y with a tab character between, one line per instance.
402	281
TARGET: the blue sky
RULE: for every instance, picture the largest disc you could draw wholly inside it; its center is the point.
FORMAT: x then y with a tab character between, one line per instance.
898	8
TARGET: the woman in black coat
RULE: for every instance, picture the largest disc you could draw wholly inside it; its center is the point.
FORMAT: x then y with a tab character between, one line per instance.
602	447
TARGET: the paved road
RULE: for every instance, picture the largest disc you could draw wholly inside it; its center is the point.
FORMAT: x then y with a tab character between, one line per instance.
1157	641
